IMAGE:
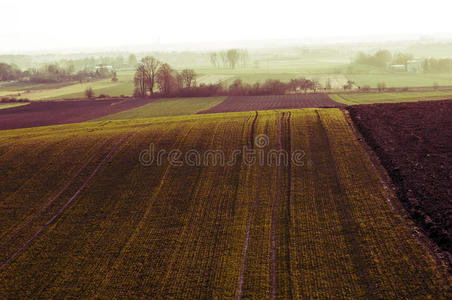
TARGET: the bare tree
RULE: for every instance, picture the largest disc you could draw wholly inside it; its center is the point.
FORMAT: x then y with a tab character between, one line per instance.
165	79
233	57
315	85
214	59
381	86
140	81
224	58
244	57
305	84
293	85
188	77
151	65
348	85
89	93
328	85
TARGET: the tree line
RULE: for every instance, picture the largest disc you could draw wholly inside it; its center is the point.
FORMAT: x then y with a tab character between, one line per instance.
441	65
231	58
155	78
383	57
54	73
85	69
9	72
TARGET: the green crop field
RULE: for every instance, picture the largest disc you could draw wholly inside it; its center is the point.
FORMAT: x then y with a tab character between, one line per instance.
124	86
401	79
389	97
167	107
86	213
280	69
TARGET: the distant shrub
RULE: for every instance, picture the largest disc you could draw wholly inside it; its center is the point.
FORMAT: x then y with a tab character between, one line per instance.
115	78
103	96
89	93
381	86
366	88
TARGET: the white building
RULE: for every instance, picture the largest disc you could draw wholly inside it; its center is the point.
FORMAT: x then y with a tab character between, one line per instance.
414	66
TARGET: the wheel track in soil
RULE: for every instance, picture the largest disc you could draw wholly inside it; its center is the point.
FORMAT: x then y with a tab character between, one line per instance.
250	218
350	225
66	204
288	203
275	216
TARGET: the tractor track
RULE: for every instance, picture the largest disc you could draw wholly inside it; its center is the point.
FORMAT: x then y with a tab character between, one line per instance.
350	224
274	217
288	203
250	218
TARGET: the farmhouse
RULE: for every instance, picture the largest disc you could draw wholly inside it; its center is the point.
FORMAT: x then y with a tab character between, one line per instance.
397	68
101	67
414	66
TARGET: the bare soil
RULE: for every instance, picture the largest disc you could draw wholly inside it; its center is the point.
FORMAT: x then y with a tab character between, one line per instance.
414	143
250	103
45	113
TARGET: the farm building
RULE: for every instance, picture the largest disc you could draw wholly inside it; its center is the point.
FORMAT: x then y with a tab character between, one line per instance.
100	67
397	68
414	66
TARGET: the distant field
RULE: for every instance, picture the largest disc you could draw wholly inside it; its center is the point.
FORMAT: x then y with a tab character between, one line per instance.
401	79
281	66
9	105
124	86
16	89
369	98
268	102
281	69
167	107
212	79
63	112
81	217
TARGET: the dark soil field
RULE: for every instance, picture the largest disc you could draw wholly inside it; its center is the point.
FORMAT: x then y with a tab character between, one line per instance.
250	103
414	144
63	112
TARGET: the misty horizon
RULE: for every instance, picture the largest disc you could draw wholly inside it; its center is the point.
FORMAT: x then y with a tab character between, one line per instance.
49	25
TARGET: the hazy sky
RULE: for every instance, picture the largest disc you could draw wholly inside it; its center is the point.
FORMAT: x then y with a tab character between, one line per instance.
55	24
